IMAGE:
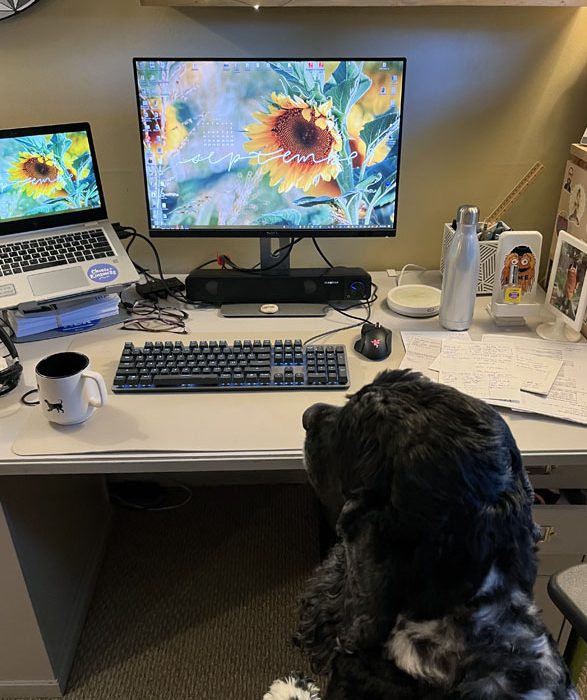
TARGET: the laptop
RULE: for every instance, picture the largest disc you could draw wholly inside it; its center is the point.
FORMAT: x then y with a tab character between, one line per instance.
55	239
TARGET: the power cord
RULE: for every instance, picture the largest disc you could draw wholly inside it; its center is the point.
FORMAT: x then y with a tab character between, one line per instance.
321	253
405	267
125	232
361	321
259	271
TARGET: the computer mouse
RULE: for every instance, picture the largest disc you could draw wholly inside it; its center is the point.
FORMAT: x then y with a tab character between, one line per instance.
375	342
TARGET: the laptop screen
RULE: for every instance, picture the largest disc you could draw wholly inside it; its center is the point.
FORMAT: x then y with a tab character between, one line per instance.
48	178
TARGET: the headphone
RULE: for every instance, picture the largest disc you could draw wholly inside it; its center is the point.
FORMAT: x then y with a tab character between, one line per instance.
9	376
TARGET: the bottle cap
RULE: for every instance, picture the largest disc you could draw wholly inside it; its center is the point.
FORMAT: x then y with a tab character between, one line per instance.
467	214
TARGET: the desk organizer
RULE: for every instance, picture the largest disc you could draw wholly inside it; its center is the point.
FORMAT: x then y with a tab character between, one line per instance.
487	253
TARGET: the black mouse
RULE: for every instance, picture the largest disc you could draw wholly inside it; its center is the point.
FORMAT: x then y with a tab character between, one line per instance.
375	342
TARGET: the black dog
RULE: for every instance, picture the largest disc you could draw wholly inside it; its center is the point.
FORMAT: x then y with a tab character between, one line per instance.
428	592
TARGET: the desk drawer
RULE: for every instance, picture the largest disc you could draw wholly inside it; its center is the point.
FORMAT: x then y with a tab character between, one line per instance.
554	476
564	529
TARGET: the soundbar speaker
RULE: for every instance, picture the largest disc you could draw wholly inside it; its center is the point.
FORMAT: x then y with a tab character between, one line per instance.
301	285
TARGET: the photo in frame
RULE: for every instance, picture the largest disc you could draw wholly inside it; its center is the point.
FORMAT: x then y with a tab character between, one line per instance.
566	295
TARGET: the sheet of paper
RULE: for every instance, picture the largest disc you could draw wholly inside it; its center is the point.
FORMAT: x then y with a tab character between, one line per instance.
567	399
537	373
423	349
480	369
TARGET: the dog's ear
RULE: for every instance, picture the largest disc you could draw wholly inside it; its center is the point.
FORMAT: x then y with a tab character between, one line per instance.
347	605
503	532
322	611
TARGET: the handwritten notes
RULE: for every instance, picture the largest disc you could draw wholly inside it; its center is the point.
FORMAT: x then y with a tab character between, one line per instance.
423	350
477	370
567	398
524	374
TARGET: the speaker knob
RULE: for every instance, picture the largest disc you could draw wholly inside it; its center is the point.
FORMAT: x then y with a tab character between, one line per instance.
357	289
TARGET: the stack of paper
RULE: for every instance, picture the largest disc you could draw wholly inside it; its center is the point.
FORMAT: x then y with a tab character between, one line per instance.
65	315
524	374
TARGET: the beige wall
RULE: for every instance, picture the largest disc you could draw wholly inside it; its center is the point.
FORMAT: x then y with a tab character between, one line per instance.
488	92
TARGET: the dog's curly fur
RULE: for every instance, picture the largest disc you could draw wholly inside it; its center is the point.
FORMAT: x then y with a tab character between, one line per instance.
428	592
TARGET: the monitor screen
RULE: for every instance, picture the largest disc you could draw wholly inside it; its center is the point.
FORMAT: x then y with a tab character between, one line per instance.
271	147
48	177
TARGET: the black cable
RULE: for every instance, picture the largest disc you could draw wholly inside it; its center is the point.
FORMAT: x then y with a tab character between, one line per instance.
361	321
321	253
208	262
253	271
129	231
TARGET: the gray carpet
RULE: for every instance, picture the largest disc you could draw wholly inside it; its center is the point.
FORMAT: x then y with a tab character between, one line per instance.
199	603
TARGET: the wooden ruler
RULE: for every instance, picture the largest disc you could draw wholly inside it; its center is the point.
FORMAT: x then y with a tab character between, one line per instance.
515	194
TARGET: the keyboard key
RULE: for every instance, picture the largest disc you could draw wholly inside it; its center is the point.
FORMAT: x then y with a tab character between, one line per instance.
177	380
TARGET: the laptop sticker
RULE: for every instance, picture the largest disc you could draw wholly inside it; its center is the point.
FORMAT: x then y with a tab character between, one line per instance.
103	272
7	290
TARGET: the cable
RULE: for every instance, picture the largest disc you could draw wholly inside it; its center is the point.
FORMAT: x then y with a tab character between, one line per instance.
208	262
253	271
321	253
361	321
129	231
401	274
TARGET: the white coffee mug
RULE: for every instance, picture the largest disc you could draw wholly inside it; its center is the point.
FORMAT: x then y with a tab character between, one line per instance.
69	391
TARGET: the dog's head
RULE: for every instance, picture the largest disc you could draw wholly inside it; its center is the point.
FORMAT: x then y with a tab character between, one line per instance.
427	489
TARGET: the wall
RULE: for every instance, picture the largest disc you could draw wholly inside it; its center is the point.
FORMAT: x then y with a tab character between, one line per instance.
488	92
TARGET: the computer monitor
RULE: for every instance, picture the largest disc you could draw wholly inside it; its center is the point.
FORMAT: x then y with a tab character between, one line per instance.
271	148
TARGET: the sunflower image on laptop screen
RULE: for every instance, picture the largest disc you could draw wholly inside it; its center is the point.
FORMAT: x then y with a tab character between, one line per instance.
256	145
46	174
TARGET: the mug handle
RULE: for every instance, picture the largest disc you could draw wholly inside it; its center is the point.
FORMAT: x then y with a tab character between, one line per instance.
97	403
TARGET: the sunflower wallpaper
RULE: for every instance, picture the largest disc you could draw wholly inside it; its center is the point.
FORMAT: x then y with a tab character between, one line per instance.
279	144
46	174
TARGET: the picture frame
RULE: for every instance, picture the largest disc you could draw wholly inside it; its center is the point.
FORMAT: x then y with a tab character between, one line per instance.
566	295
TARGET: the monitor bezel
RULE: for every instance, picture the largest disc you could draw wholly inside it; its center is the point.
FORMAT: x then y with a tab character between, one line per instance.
268	232
65	218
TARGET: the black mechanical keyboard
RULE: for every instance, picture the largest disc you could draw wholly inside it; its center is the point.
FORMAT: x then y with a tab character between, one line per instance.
242	365
53	251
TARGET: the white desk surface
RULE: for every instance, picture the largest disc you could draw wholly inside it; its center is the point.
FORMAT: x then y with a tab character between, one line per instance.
267	439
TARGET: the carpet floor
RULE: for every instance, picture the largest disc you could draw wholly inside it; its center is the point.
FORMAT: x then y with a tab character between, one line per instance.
199	603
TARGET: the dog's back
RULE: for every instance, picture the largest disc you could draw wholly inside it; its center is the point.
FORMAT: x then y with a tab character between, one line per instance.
428	593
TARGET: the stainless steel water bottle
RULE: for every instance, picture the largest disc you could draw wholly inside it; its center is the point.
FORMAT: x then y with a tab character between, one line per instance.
461	272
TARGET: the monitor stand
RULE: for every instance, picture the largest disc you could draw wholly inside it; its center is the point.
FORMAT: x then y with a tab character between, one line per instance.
274	264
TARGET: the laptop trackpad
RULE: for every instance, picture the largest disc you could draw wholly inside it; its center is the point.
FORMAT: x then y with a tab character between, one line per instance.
58	281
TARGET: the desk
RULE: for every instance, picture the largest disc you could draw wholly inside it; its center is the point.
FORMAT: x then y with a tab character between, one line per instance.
55	513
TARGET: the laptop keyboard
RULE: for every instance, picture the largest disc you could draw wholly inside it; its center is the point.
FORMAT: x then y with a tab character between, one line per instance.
53	251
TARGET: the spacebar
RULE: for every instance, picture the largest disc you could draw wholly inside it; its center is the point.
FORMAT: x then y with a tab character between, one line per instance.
179	379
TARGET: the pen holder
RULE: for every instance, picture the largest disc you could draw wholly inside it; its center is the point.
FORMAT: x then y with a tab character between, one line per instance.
487	252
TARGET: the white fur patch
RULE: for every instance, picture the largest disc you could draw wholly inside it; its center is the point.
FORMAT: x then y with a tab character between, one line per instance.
538	695
286	690
492	581
442	641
